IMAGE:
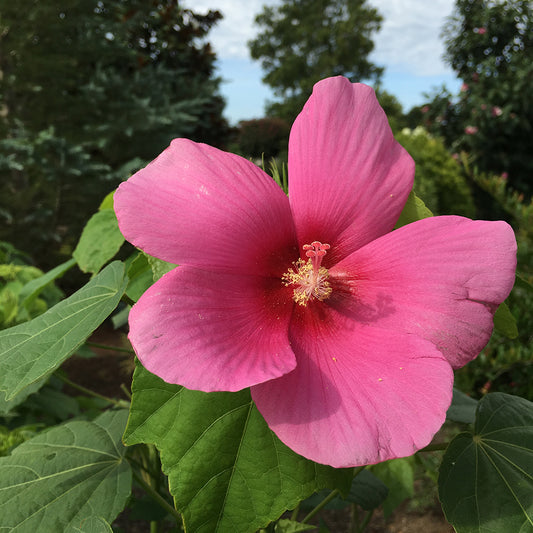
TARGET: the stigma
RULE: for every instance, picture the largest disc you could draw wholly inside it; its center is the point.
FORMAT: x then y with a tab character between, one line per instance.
309	277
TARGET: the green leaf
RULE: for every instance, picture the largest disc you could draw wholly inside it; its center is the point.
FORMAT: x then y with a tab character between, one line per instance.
94	524
462	409
32	350
61	477
140	275
159	267
414	210
486	477
367	491
33	288
397	475
504	322
227	471
107	202
7	405
99	242
290	526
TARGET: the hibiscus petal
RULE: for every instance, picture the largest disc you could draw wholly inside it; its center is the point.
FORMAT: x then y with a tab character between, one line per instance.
348	178
200	206
440	278
359	395
213	331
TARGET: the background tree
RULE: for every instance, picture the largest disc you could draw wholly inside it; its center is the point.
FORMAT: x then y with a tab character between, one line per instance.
490	46
263	138
303	41
91	91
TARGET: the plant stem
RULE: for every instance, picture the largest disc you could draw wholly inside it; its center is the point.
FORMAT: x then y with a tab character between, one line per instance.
354	526
294	514
125	390
330	496
127	300
366	521
89	392
108	347
156	496
322	504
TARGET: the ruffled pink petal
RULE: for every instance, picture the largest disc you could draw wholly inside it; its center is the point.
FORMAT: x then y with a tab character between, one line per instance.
200	206
359	395
348	178
213	331
440	279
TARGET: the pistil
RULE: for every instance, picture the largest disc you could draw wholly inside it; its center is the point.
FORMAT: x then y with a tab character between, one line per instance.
309	277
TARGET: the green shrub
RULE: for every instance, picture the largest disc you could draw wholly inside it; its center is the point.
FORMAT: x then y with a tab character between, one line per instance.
13	277
439	179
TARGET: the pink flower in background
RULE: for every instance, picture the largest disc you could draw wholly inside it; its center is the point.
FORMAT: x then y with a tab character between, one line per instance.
345	330
504	176
496	111
481	31
424	109
464	87
471	130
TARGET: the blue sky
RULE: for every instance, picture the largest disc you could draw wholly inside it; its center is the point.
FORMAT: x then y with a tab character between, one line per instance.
409	46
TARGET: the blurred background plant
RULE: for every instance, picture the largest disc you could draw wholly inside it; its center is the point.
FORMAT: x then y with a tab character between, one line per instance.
489	44
90	92
15	273
439	178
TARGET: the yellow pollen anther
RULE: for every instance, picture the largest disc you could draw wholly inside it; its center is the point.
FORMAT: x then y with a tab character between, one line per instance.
310	278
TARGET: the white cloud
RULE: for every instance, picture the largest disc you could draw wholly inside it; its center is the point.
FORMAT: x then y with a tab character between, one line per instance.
409	46
409	38
230	35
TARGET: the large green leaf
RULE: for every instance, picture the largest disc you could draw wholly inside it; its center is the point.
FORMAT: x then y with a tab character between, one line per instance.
159	267
94	524
227	471
140	275
7	405
33	288
462	409
58	479
99	242
34	349
398	476
504	322
486	477
290	526
414	209
367	491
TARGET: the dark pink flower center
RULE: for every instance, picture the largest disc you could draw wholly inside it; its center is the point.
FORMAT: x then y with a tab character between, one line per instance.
309	277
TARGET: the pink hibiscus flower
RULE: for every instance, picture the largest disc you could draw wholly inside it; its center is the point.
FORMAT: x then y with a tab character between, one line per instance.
346	331
471	130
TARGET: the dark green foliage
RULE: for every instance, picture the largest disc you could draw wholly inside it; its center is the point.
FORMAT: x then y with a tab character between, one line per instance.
506	364
490	46
91	91
263	137
303	41
393	109
46	183
439	179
